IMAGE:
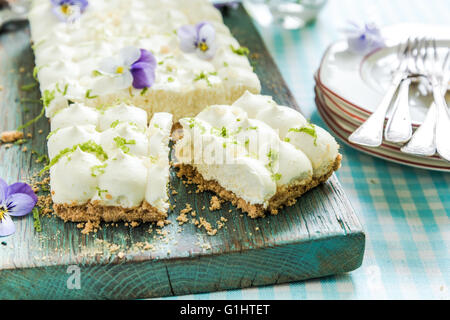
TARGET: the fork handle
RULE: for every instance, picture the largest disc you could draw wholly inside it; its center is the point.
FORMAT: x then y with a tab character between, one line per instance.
442	123
370	133
423	142
398	128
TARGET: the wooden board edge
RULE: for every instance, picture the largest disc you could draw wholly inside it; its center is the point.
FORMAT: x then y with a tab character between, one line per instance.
174	277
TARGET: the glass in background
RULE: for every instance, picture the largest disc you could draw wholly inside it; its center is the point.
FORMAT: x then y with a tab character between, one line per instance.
289	14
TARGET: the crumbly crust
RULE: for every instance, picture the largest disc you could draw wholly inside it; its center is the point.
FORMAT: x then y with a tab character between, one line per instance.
94	212
285	196
10	136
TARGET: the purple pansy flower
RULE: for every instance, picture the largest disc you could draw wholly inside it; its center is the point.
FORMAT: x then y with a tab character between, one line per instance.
362	39
69	10
199	38
132	67
16	200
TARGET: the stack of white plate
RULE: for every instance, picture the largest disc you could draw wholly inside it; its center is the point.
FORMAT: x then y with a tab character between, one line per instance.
350	86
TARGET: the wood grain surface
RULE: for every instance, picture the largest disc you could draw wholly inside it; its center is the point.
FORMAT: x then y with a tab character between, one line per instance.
319	236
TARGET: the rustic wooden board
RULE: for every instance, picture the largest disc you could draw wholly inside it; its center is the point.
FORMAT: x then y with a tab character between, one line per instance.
319	236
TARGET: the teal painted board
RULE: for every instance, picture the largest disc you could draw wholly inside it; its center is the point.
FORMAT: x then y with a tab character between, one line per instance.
318	236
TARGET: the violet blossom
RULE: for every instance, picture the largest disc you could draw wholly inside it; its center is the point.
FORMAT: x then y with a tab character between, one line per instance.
363	38
199	39
69	10
131	67
16	200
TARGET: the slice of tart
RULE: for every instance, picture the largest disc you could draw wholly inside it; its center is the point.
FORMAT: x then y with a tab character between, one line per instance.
109	166
91	58
255	153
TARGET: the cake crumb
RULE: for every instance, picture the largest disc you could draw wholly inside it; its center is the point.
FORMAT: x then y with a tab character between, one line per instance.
215	203
182	218
160	224
209	229
29	135
90	227
25	149
174	192
113	248
148	246
121	255
10	136
187	209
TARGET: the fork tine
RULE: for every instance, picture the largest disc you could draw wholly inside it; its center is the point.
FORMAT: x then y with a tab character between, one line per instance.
446	64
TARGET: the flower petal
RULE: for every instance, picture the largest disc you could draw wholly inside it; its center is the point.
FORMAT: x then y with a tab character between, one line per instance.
112	83
109	65
20	204
188	38
129	55
124	81
7	226
206	55
3	190
206	33
143	75
363	38
20	187
147	57
57	10
82	4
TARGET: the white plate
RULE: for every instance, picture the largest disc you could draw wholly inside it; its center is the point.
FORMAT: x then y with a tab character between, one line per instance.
361	80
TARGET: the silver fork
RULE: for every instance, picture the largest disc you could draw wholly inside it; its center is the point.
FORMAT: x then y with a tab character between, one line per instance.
423	142
437	78
370	133
399	127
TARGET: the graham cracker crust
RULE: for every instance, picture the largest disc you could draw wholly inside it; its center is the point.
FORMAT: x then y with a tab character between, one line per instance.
93	212
284	196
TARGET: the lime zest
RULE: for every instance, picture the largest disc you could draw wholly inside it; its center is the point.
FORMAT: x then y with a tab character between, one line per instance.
37	221
144	91
309	129
276	176
28	87
114	124
242	51
122	143
98	170
63	92
89	146
88	94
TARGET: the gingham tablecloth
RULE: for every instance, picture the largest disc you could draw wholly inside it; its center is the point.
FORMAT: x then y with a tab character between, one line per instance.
405	211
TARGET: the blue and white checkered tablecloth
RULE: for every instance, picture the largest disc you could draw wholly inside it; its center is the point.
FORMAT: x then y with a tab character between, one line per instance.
405	211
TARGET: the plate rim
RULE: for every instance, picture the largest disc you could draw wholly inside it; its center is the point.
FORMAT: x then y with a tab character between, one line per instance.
396	29
320	108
